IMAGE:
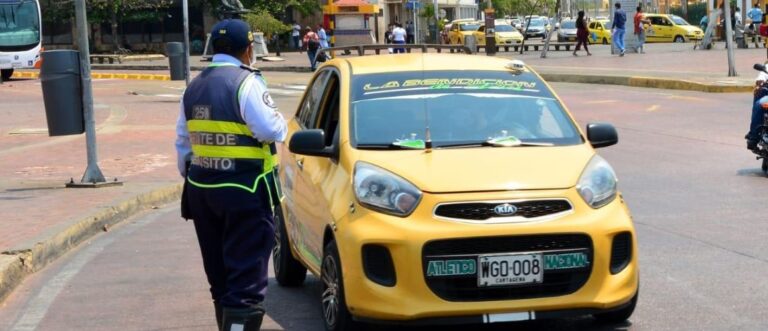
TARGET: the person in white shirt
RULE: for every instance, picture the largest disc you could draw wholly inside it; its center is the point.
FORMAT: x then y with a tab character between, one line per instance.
399	36
295	34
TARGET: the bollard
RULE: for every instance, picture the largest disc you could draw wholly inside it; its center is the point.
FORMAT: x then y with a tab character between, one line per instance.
175	52
62	92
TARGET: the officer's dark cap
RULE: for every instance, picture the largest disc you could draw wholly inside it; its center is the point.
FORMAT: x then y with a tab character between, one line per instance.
231	36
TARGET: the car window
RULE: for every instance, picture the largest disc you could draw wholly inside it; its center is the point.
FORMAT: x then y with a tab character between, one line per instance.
481	28
568	25
308	111
329	109
679	20
592	25
458	107
504	28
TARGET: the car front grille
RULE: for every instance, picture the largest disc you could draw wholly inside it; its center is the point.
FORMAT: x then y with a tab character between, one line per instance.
480	211
464	288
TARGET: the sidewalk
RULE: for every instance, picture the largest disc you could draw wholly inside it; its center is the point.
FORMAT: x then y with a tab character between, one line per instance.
665	65
42	220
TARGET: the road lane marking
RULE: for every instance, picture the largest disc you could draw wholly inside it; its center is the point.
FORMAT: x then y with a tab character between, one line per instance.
653	108
39	305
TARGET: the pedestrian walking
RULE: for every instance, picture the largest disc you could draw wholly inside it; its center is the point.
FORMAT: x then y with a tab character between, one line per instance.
639	22
312	43
399	36
225	145
323	36
618	28
296	36
582	33
409	32
755	16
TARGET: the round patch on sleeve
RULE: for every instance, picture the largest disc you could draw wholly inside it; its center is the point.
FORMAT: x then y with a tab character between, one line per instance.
267	99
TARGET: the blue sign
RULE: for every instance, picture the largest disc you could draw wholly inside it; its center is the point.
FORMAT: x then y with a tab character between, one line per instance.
411	4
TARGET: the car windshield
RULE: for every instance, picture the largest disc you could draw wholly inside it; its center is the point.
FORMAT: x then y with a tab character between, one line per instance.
538	22
19	23
504	28
458	107
468	27
568	25
679	20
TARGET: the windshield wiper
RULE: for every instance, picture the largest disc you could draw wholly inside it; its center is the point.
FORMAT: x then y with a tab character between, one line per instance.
385	146
508	141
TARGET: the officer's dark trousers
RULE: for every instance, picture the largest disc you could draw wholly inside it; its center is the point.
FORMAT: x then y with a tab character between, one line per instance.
235	230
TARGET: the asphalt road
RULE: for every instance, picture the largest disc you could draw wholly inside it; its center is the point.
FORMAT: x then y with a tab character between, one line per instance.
697	196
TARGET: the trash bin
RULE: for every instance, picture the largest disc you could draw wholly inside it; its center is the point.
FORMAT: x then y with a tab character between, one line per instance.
471	43
175	51
62	92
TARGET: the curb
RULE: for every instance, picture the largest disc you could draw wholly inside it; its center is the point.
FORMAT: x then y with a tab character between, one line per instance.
631	81
17	265
647	82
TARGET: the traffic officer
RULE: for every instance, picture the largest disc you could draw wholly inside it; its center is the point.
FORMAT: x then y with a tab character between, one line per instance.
225	143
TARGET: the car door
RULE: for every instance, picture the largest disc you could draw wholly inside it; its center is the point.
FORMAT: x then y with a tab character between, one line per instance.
321	174
299	199
480	35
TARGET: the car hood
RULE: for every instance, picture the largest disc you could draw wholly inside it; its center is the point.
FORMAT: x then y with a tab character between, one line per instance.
509	34
690	28
486	168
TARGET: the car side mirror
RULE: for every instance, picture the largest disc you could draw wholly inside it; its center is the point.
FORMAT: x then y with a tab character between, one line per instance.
310	142
602	135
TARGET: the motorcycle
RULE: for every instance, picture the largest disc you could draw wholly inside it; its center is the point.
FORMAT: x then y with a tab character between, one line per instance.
762	144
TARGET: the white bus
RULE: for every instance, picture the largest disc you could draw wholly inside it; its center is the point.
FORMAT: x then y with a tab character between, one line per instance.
20	35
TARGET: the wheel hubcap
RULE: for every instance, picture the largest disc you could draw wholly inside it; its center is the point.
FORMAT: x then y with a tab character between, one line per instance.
330	291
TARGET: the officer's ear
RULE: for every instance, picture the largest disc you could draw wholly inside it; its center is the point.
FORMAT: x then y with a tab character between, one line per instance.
247	56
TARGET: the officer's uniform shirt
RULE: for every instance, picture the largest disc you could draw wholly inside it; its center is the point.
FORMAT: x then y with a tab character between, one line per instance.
257	109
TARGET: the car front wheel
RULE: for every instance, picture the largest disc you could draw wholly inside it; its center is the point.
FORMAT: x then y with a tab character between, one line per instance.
679	39
335	312
620	315
288	271
605	41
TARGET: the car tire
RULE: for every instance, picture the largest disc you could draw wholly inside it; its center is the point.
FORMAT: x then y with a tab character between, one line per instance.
605	41
620	315
765	166
336	315
289	272
679	39
6	74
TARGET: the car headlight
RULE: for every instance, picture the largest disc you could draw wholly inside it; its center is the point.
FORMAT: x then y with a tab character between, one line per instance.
384	191
597	185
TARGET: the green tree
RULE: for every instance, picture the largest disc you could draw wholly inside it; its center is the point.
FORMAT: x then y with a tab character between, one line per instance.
263	21
115	11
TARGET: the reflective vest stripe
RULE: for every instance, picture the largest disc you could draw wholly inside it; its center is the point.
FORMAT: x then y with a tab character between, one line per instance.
235	152
251	189
218	127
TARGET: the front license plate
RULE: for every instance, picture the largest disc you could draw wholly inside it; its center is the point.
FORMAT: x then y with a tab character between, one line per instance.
510	269
571	39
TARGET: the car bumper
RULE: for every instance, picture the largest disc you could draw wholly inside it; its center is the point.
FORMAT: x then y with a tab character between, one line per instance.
405	239
535	34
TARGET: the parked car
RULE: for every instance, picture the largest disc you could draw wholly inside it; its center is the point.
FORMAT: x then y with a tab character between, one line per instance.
459	30
671	28
538	27
446	188
599	32
567	31
505	35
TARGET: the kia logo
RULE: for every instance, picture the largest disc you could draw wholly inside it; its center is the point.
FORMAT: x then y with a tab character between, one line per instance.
505	210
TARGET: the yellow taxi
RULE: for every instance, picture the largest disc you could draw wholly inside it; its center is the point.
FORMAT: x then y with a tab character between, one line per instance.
460	29
599	32
671	28
505	35
419	192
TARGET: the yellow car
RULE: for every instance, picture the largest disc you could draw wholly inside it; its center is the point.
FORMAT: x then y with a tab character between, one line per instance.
671	28
599	32
419	192
461	29
505	35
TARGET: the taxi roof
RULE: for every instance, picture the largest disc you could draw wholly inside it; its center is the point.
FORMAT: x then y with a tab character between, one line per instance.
423	62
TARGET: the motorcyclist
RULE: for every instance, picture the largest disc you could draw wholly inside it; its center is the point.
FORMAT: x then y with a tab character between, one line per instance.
760	93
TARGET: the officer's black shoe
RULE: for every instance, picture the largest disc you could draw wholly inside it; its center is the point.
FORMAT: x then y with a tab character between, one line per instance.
245	319
219	315
751	144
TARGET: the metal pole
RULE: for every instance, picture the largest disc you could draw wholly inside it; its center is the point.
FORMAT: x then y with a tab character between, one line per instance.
185	9
729	39
92	172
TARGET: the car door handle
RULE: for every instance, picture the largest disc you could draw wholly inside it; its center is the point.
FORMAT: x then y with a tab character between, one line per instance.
300	164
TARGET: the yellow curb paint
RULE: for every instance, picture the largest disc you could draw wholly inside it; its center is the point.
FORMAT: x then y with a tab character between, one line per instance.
36	75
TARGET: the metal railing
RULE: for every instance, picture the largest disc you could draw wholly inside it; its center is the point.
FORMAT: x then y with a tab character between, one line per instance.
377	48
